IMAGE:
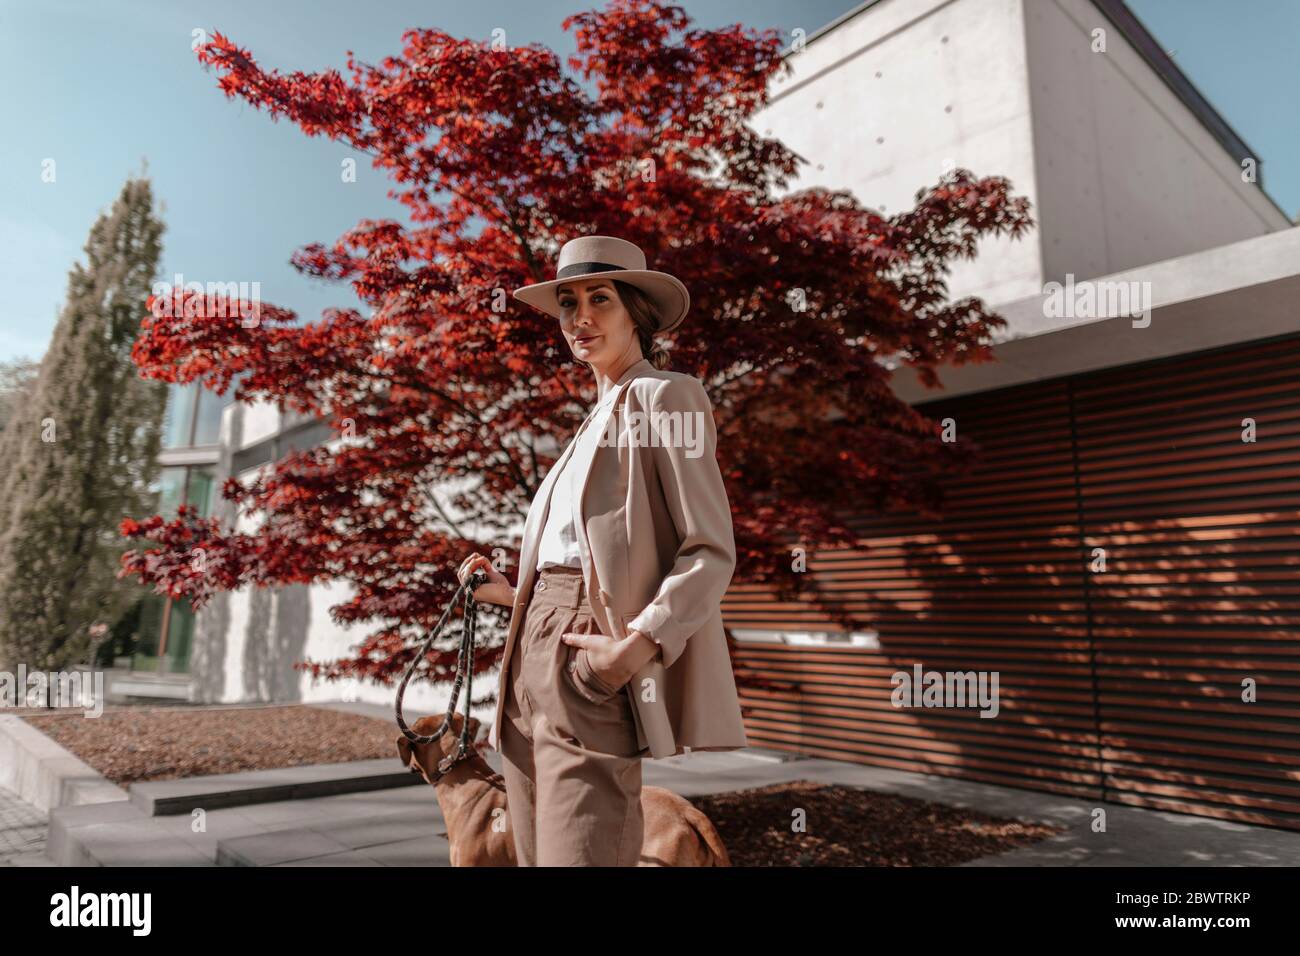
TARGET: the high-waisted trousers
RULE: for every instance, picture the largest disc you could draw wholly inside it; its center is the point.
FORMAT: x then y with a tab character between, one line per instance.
569	751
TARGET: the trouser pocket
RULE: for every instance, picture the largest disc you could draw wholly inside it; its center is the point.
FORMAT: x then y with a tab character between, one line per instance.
585	679
577	666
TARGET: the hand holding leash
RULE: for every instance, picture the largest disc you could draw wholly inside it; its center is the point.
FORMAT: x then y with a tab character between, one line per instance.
464	672
496	591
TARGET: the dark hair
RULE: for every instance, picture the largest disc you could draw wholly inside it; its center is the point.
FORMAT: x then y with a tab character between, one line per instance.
645	316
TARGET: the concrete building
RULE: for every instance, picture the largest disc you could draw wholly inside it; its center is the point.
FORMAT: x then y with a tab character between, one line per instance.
1123	558
1125	162
243	644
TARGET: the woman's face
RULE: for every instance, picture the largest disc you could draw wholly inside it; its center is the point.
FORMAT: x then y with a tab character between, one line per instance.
595	323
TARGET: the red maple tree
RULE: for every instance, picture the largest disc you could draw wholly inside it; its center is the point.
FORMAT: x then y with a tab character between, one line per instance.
454	400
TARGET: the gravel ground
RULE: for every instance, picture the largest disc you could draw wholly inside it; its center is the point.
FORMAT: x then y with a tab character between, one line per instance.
129	744
847	826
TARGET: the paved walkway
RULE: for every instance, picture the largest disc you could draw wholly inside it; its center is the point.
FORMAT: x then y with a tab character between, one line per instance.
23	829
403	826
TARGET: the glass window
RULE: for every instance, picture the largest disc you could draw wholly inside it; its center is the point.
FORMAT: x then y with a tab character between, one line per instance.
193	417
194	486
180	633
172	495
199	490
179	418
152	611
207	424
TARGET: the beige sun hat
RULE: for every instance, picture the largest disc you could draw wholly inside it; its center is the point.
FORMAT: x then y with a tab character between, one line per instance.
588	256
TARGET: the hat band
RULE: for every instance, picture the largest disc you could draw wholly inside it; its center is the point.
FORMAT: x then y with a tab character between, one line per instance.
586	268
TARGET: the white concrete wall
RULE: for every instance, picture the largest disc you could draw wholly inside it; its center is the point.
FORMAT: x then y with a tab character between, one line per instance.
261	420
1119	170
887	101
247	641
1253	284
1127	174
267	631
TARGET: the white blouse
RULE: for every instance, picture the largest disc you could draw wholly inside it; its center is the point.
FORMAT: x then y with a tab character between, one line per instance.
559	541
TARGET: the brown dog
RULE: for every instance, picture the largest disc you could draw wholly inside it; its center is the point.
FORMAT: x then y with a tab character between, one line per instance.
473	801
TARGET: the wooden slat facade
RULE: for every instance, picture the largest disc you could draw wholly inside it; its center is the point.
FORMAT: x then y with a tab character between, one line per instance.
1123	685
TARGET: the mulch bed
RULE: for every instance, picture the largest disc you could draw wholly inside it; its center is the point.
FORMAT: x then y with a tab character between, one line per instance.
848	826
130	744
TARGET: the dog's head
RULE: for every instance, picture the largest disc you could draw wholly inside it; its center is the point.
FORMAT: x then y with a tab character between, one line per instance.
423	758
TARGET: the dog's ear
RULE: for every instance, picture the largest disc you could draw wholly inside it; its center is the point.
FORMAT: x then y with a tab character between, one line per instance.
474	724
404	749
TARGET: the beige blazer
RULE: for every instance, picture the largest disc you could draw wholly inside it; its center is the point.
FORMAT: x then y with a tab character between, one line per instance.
655	537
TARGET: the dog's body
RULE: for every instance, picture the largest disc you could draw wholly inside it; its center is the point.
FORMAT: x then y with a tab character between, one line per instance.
473	801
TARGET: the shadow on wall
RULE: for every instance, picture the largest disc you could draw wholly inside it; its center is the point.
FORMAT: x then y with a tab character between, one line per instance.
275	635
274	639
1120	558
275	632
211	644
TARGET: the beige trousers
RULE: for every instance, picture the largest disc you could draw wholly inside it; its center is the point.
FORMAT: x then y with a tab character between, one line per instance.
569	750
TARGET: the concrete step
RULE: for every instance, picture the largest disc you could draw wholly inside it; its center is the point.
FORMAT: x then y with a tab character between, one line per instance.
389	828
72	829
403	838
218	791
43	773
183	822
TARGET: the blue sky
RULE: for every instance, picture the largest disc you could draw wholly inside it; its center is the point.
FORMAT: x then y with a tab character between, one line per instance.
98	86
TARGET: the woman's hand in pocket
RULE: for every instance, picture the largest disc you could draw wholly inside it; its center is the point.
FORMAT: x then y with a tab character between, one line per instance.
614	661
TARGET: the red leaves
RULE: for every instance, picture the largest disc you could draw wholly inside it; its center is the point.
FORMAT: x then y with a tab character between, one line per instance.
191	560
440	398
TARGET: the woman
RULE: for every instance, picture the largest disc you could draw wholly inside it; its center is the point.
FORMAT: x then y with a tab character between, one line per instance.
615	648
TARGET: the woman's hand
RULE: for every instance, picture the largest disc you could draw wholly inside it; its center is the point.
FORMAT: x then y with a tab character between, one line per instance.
614	661
497	590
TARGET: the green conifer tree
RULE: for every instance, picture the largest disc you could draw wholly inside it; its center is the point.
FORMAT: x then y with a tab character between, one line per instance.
81	450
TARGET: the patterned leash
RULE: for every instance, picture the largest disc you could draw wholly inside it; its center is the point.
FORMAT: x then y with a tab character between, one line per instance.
464	674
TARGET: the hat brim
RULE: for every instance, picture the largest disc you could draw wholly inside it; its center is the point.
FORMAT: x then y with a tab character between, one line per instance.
666	291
